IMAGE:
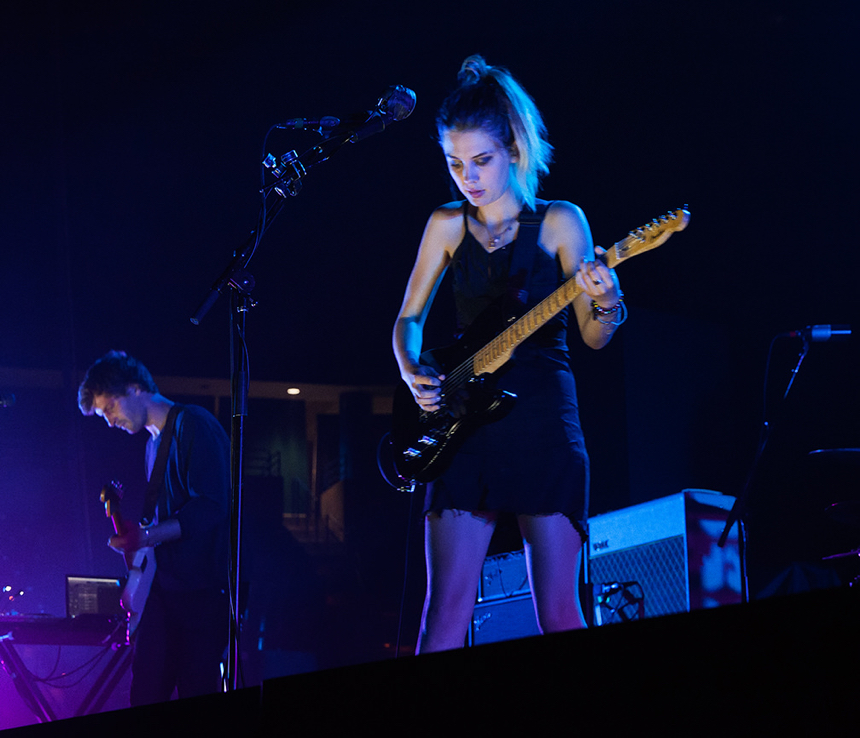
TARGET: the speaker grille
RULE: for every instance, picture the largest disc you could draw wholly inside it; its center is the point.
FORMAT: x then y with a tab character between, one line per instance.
659	567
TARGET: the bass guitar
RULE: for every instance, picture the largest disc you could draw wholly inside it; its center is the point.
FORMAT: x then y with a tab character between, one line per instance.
421	443
140	563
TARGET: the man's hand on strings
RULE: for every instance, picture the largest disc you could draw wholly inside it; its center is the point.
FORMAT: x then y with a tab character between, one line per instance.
128	540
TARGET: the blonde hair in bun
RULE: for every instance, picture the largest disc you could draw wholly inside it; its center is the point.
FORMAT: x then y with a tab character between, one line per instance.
488	97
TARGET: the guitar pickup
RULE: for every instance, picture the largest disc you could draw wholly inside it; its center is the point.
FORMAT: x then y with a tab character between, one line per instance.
427	441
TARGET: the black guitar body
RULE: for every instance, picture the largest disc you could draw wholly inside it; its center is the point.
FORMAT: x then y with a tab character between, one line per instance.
422	444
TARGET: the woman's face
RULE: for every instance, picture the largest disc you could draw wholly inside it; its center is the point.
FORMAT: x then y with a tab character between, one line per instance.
479	165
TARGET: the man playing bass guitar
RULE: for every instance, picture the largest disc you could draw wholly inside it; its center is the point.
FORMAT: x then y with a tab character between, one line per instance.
183	630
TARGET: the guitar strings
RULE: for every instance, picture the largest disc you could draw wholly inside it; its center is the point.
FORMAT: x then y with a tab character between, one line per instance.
514	334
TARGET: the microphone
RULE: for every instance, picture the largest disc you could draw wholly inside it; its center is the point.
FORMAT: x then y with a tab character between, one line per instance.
396	103
301	124
819	333
7	399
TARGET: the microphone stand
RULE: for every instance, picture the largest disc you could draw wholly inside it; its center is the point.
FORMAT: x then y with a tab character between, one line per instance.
289	173
240	283
736	514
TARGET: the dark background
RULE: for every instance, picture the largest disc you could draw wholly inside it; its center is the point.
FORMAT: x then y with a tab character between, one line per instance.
131	148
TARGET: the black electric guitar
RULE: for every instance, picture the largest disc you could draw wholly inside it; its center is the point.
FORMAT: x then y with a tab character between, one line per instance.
140	563
421	444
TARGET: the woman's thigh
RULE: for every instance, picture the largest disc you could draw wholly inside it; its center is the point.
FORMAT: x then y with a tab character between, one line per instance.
456	544
553	549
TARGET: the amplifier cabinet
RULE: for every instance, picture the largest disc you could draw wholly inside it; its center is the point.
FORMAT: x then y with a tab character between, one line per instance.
502	620
504	575
666	550
504	608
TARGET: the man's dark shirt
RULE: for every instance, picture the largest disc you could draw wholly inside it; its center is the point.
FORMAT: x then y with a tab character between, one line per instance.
196	492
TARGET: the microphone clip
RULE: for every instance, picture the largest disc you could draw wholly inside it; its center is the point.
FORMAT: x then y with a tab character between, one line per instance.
288	173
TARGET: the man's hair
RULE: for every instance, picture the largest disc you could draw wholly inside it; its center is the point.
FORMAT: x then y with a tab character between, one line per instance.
112	375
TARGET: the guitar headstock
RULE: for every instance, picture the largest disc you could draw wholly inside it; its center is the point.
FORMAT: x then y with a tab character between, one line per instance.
111	495
652	235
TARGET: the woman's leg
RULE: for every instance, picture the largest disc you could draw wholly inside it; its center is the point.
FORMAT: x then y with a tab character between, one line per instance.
455	544
553	549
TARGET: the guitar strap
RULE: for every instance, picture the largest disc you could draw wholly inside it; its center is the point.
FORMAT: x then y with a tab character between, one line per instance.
156	477
525	250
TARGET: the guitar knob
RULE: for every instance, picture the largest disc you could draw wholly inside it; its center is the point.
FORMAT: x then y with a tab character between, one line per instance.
429	441
412	453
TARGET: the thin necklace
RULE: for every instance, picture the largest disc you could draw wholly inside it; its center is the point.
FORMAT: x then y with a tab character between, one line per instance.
493	240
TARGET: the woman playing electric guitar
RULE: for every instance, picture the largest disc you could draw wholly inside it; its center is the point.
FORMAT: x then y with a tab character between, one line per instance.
503	244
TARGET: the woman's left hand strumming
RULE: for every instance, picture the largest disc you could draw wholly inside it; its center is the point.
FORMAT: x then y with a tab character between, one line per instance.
598	281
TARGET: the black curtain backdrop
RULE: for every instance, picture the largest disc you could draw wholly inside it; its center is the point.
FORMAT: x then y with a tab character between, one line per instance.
130	153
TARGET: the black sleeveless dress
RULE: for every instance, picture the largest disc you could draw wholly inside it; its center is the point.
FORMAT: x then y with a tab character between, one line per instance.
532	461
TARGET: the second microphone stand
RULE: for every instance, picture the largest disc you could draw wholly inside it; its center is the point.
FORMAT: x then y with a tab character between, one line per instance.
738	510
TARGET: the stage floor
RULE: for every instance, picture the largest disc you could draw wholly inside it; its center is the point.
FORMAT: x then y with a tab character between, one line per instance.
782	663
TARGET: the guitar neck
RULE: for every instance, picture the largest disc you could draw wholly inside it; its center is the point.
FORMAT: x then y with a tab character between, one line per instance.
110	497
498	351
118	523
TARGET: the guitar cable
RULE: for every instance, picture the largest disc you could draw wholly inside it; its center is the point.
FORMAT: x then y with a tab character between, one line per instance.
405	575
